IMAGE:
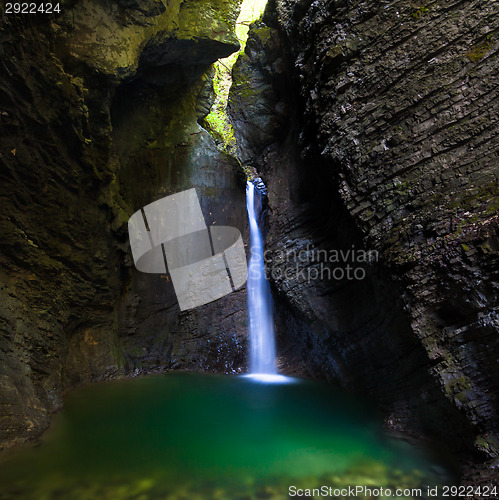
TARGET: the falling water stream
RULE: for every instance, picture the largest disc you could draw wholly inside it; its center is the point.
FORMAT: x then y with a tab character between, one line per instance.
260	310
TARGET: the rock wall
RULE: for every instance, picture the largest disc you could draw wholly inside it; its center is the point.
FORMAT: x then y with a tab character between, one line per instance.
383	137
98	115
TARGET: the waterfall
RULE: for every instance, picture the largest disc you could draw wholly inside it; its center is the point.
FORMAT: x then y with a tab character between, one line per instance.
260	308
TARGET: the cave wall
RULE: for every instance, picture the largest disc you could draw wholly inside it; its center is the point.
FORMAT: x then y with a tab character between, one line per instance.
98	114
383	136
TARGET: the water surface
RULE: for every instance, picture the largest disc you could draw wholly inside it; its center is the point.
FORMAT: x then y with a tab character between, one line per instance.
192	436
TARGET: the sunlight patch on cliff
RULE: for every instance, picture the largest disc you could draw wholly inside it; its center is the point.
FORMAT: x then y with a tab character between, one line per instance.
217	122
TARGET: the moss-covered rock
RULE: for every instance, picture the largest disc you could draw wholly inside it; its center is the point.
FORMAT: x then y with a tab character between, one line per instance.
114	38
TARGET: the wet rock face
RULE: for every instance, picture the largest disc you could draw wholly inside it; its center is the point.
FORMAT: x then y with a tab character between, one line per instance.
163	150
88	137
394	151
406	117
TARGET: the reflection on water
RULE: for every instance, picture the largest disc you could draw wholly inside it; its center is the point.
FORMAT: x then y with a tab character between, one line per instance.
207	436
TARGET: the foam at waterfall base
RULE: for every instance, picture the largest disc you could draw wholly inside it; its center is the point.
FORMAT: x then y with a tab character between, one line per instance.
271	378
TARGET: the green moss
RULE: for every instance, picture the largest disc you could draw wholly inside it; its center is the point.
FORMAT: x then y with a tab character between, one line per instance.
419	11
248	172
217	122
488	443
483	199
263	32
334	52
478	51
458	388
488	248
